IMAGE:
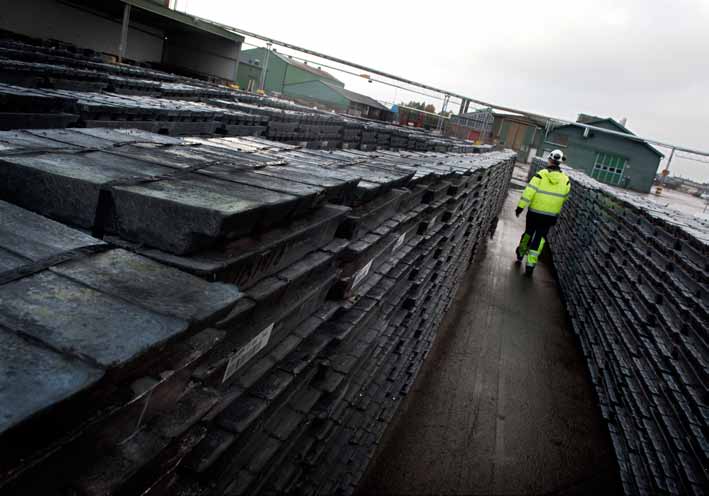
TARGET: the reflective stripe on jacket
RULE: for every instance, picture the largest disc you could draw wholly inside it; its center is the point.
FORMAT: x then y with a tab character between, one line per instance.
546	192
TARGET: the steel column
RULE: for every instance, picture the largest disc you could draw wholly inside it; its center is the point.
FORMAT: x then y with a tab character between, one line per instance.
124	33
264	69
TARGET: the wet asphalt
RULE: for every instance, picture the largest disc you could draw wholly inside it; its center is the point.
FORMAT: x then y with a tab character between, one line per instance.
504	404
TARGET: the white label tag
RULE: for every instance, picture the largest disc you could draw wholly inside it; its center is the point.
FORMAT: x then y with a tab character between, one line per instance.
399	241
247	352
362	273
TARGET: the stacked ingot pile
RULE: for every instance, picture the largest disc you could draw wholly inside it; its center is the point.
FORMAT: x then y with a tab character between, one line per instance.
248	321
44	84
634	279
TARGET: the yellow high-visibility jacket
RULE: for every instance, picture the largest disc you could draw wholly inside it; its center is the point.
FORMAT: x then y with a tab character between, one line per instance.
546	192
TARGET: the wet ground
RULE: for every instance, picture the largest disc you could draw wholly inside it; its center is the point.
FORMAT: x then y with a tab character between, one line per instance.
678	200
504	404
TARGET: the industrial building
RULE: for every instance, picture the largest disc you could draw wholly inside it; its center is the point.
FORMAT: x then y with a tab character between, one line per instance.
614	160
144	31
475	126
281	71
518	132
304	82
340	99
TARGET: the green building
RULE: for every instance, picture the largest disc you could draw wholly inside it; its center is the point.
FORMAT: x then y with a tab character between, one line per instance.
282	71
336	97
304	83
614	160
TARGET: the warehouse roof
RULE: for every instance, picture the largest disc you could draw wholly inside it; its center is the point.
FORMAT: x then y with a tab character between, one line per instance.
597	121
305	67
524	119
245	58
356	97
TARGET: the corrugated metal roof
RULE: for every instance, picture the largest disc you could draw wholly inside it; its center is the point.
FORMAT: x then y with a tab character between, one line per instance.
356	97
595	121
308	68
187	20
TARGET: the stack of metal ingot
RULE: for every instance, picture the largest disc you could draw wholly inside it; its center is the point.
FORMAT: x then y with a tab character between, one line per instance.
65	54
34	108
96	94
219	316
87	109
634	279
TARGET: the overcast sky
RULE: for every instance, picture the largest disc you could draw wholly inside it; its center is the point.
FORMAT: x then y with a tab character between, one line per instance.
647	60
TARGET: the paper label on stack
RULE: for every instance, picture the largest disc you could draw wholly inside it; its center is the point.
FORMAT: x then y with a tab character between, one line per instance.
248	351
399	241
361	273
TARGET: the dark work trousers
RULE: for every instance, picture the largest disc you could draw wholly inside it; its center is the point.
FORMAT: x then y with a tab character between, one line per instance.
537	227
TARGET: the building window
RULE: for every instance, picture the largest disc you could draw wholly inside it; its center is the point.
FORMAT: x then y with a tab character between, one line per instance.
609	168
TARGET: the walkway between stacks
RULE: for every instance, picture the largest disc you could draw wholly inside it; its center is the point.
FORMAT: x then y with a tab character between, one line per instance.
504	404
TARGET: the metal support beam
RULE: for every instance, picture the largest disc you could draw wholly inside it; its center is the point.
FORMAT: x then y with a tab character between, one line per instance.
663	175
439	125
464	103
488	117
124	33
236	63
669	161
264	69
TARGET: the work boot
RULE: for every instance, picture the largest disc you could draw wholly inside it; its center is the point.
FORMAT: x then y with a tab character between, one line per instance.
521	249
528	270
532	259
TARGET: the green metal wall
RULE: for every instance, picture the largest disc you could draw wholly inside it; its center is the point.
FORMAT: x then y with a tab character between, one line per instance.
316	90
279	73
247	72
275	73
581	153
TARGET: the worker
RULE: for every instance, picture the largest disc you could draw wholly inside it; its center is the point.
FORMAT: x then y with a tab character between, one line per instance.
544	195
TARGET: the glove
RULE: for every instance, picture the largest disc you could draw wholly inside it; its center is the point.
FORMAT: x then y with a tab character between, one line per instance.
518	211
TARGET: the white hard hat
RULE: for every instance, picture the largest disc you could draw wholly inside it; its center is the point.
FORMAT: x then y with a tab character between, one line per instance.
557	156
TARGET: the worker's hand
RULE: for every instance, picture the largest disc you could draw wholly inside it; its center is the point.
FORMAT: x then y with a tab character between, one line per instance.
518	211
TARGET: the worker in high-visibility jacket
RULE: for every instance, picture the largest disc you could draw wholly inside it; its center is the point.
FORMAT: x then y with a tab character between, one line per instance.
544	195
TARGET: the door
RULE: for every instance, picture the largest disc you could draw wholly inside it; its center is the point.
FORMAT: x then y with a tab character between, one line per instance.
609	168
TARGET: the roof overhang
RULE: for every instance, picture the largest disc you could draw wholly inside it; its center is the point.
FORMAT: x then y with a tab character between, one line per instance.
153	14
619	127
